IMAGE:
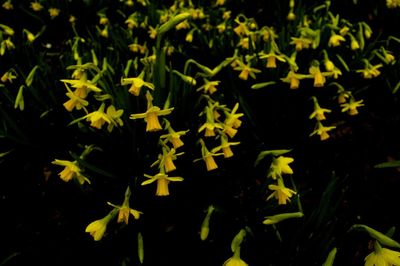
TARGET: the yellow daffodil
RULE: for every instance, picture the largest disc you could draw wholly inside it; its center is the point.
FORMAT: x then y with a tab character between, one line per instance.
136	84
208	157
246	70
36	6
370	71
7	5
241	29
152	32
232	118
210	125
322	131
137	48
319	113
382	256
71	171
335	40
319	79
98	227
173	136
293	79
392	3
162	182
301	43
351	106
54	12
280	166
98	118
74	101
209	86
151	115
271	58
235	260
115	116
9	76
225	147
6	44
166	159
82	86
281	193
124	211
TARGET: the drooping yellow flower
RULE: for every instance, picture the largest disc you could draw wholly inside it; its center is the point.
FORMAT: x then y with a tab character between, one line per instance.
162	182
208	157
280	166
301	43
9	76
98	227
271	58
152	32
7	5
225	147
322	131
136	84
209	86
351	106
36	6
151	115
382	256
210	125
98	118
74	101
241	29
82	86
173	136
335	40
246	70
392	3
235	260
281	193
166	159
232	118
293	79
370	71
319	113
115	116
71	171
54	12
319	79
124	211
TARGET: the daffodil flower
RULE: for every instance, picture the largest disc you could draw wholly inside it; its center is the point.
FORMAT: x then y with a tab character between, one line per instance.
351	106
136	84
319	79
124	211
271	58
280	166
173	136
246	70
241	29
82	86
225	147
162	182
232	118
293	79
319	113
54	12
152	32
235	260
98	118
322	131
7	5
36	6
71	171
281	193
9	76
370	71
208	157
382	256
115	116
97	228
210	125
301	43
209	86
166	159
151	115
335	40
74	101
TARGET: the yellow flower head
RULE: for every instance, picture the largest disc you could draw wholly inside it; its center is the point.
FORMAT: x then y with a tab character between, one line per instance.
98	118
271	58
208	157
246	70
151	115
173	137
9	76
319	79
165	160
382	256
301	43
322	131
210	125
232	118
124	211
82	86
7	5
281	193
98	227
209	86
162	182
36	6
136	84
71	171
115	117
351	106
54	12
335	40
293	79
280	166
225	147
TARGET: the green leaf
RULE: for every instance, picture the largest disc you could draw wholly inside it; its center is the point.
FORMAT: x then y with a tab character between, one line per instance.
237	240
388	164
380	237
262	85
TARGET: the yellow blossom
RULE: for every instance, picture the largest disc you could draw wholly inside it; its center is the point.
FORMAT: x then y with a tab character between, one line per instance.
98	118
370	71
209	86
319	79
225	147
246	70
115	116
351	106
281	193
152	32
74	101
208	157
9	76
335	40
7	5
293	79
82	86
232	118
98	227
165	160
54	12
301	43
280	166
162	182
271	58
136	84
124	211
71	171
322	131
152	114
319	113
36	6
210	125
241	29
382	257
